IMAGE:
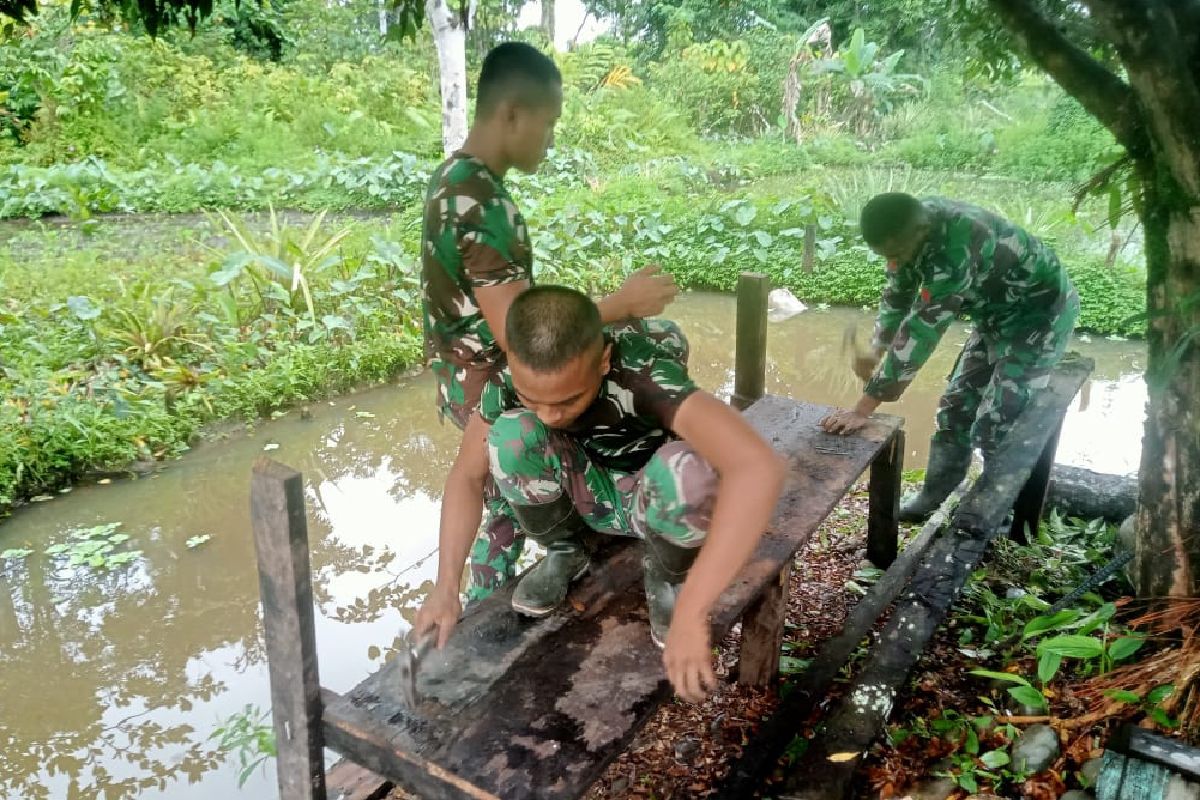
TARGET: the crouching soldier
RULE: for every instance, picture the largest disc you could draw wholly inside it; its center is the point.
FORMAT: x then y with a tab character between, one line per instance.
588	430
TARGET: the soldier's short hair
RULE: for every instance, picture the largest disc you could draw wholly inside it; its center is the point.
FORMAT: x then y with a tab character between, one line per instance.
518	71
888	215
549	326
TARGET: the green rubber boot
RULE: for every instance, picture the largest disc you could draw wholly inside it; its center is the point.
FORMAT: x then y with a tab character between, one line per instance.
558	527
947	467
665	568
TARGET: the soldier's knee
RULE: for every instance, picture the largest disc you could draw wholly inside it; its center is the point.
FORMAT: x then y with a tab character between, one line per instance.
680	489
516	431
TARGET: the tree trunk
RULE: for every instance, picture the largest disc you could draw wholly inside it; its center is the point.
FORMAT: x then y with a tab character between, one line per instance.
1167	559
450	38
548	19
1077	492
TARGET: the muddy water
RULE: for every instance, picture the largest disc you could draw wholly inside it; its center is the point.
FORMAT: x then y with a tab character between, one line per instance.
111	684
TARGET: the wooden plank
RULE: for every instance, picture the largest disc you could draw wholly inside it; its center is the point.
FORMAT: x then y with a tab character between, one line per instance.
828	767
1175	755
346	780
809	689
521	708
1127	778
1027	511
762	633
750	354
883	517
285	585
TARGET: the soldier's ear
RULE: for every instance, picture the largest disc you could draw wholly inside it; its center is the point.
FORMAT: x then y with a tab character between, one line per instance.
606	359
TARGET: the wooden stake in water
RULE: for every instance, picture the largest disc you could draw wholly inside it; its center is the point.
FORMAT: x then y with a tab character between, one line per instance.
750	359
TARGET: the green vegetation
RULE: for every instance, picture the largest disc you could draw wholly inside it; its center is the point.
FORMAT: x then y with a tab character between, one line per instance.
1028	660
685	149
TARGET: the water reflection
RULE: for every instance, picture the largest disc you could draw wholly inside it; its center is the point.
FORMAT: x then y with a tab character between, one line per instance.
111	683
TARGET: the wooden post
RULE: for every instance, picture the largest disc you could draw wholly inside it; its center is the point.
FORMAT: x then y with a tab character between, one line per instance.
810	247
1027	511
281	542
750	360
762	634
883	526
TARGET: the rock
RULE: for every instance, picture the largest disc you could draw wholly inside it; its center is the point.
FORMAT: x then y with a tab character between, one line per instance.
1091	770
687	749
619	785
1014	593
932	789
1035	749
1077	794
782	304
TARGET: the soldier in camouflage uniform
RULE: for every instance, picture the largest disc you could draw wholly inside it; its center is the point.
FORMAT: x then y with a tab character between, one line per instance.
603	430
946	258
476	256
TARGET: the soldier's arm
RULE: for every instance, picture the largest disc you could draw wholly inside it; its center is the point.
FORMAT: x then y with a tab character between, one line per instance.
935	307
462	510
750	480
899	293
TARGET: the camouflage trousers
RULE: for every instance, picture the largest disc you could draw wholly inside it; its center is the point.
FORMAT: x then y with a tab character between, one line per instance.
996	376
671	496
500	542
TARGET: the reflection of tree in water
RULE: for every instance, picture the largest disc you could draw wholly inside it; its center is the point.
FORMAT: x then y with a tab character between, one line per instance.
404	449
76	644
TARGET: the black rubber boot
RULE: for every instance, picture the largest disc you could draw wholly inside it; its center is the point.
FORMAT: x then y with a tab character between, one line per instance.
665	566
947	467
559	528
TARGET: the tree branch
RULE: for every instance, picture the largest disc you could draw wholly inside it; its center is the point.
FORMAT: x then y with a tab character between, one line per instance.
1099	90
1155	53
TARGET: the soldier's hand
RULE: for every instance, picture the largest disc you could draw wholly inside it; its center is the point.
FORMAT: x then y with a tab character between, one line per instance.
440	612
844	421
688	658
864	366
647	292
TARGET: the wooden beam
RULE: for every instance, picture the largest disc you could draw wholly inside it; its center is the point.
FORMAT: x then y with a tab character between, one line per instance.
827	770
762	633
281	543
883	526
1175	755
1027	511
349	781
750	358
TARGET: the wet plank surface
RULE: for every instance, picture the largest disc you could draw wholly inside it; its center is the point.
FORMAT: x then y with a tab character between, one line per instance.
519	708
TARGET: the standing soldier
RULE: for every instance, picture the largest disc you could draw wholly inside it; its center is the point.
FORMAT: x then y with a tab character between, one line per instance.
476	257
946	258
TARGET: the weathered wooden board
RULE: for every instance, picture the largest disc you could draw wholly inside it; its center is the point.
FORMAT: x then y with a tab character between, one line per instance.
518	708
827	770
285	586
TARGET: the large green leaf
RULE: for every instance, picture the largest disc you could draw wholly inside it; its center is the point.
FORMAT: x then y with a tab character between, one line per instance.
1072	646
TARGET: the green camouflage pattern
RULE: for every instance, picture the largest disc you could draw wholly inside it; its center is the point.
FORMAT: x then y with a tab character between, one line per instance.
495	553
993	381
472	237
632	414
671	496
975	263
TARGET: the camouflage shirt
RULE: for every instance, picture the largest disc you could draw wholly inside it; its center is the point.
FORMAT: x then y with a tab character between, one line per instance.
473	236
973	262
634	410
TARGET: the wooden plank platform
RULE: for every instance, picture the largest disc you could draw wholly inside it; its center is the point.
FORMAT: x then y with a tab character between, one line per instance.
520	708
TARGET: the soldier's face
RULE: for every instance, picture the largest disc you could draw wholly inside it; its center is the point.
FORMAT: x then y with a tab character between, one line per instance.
560	396
531	131
904	249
